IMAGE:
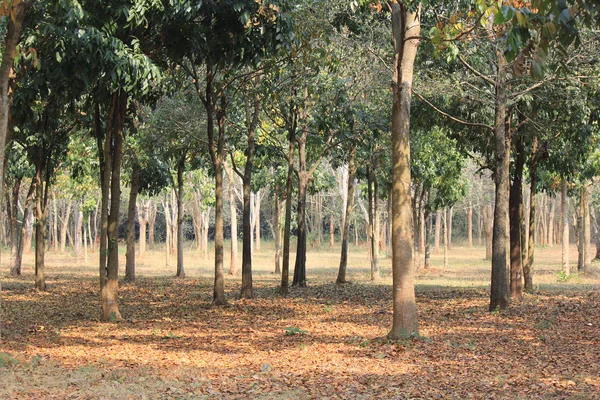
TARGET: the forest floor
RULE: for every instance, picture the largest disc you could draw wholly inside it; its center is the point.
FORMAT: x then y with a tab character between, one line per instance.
323	341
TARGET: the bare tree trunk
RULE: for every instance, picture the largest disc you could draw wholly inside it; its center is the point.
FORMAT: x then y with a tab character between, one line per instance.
406	30
277	229
446	236
428	229
500	290
130	253
488	218
65	226
12	209
257	200
77	234
528	266
55	224
564	212
550	240
341	278
587	233
180	216
285	271
233	268
469	213
151	217
516	218
331	231
438	231
450	218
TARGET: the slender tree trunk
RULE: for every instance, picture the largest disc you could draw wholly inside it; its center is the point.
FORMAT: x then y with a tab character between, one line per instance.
111	188
151	222
257	203
233	267
499	296
13	217
469	213
41	175
550	240
277	229
438	231
516	218
587	232
27	225
341	278
406	29
130	253
528	267
488	219
77	226
285	271
180	216
445	216
300	266
142	213
564	212
65	226
427	261
594	224
450	218
331	231
55	224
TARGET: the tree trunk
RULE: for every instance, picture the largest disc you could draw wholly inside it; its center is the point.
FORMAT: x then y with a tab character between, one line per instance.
445	216
406	29
133	193
285	271
331	231
142	213
27	225
516	218
217	152
587	233
528	267
372	189
77	226
41	203
429	226
550	240
499	297
594	224
277	229
257	203
469	213
64	227
341	278
14	23
450	218
151	222
488	218
438	231
300	266
12	209
180	216
233	267
564	213
111	188
55	224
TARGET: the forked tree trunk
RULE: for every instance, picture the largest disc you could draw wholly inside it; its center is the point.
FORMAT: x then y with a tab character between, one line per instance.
110	165
406	30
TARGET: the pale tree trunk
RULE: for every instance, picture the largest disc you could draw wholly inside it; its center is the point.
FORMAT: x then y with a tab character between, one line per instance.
331	231
587	232
233	267
277	229
25	235
12	209
142	214
257	203
173	226
77	226
42	178
65	226
180	216
594	225
206	220
564	213
55	224
446	237
428	229
151	217
469	215
550	240
341	278
450	218
479	225
438	231
488	219
406	29
342	177
500	288
252	221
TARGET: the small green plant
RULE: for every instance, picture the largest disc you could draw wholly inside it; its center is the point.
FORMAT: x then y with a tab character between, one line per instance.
327	307
171	335
365	343
496	311
294	330
561	276
543	324
6	360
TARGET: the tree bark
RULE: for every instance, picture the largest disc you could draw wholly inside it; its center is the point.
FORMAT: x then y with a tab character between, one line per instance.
499	296
42	178
488	218
233	267
406	29
300	266
180	216
528	267
277	229
469	213
450	218
516	218
587	233
131	211
564	212
341	278
12	209
331	231
285	271
27	225
438	231
11	40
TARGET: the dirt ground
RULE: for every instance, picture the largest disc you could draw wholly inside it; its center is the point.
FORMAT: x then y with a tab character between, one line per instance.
324	341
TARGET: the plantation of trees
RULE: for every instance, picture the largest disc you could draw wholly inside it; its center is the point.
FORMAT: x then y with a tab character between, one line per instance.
275	199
